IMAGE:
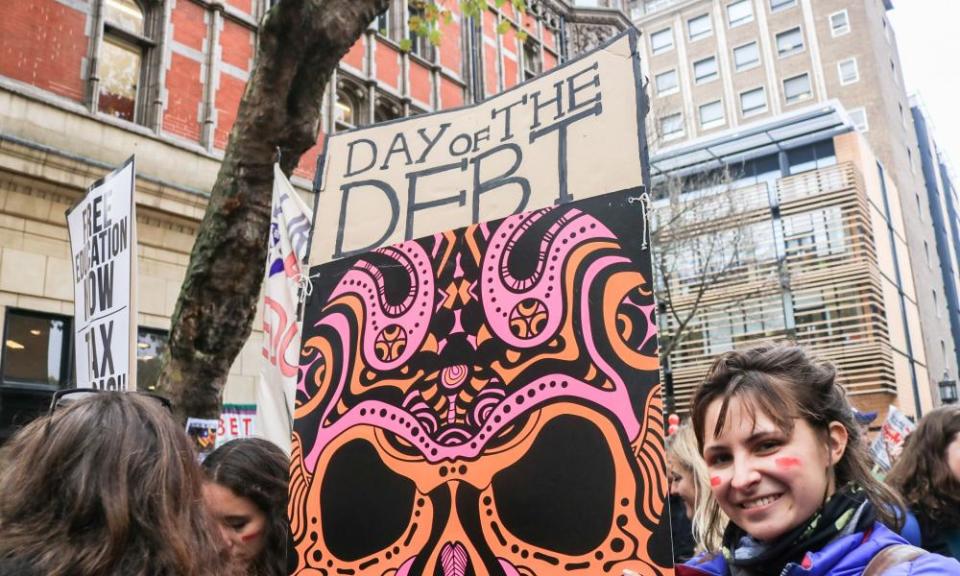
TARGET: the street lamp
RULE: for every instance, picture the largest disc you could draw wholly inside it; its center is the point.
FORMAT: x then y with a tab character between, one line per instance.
948	390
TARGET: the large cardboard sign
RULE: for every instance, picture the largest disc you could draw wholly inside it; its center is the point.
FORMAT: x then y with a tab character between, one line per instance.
482	398
569	134
103	245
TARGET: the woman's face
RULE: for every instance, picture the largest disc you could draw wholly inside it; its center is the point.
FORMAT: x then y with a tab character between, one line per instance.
768	481
681	484
953	456
242	524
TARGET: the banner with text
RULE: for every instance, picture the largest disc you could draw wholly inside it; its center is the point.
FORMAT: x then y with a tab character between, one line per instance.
103	252
572	133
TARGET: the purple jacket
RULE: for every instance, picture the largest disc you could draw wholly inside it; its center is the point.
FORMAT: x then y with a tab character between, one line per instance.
845	556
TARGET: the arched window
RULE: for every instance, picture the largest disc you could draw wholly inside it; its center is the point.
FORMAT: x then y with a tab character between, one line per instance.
386	110
122	57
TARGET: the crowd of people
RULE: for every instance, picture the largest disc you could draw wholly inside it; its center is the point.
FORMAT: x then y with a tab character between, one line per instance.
771	474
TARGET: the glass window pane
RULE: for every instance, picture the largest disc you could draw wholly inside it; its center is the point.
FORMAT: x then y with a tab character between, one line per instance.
789	42
848	71
343	111
36	349
705	69
711	113
797	88
699	27
671	125
781	4
753	101
125	14
119	77
839	24
739	12
666	82
150	347
661	41
746	56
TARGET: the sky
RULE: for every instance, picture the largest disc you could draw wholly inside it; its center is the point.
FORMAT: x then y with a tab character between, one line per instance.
929	45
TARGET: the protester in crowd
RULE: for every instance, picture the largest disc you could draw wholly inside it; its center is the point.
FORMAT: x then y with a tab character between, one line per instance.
105	486
928	476
246	491
787	466
690	481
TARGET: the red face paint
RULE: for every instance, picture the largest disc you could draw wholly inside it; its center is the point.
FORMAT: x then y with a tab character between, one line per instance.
786	463
714	481
250	537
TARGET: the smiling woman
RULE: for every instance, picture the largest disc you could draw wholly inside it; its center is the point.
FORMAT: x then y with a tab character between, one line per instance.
787	466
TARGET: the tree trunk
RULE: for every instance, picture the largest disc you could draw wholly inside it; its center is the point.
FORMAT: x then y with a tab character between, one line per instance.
300	44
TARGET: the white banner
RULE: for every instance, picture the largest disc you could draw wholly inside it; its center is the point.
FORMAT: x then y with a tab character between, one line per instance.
888	444
236	421
289	238
103	251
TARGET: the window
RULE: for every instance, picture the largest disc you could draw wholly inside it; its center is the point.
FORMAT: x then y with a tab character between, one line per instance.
753	101
746	56
839	23
811	157
345	111
859	118
383	23
419	43
532	60
781	4
849	72
150	346
386	109
711	114
926	253
666	82
671	126
797	88
699	27
739	13
120	66
936	304
36	349
661	41
789	42
705	70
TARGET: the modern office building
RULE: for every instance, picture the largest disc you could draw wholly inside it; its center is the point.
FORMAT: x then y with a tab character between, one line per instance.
84	84
821	255
945	219
721	65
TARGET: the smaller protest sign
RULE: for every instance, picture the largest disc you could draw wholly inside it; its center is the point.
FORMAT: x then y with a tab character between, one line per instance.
236	421
203	435
103	248
889	442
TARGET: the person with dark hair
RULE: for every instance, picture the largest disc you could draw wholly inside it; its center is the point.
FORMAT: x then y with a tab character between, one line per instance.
246	490
787	466
106	486
928	475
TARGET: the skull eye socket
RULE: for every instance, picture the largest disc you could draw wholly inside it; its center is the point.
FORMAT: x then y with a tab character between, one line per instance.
364	505
560	495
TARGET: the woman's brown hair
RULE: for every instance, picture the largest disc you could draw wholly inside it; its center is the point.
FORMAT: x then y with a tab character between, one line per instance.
921	473
256	469
108	485
785	383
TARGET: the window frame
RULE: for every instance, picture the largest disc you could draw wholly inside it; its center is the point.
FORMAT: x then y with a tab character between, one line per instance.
716	71
834	33
866	124
147	80
666	48
755	111
805	96
786	4
793	50
668	136
67	376
722	120
856	71
752	65
676	86
745	20
705	34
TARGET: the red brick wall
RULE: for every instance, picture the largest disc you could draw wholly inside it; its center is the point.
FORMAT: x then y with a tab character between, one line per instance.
308	162
43	43
451	54
354	57
236	43
451	94
388	64
420	83
184	94
189	27
227	102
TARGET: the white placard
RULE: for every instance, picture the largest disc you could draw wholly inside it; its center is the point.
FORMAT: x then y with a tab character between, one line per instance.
103	252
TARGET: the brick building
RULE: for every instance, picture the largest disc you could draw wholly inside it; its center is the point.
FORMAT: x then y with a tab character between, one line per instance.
86	83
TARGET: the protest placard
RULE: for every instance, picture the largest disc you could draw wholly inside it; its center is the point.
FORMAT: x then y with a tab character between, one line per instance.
103	250
478	382
888	444
236	421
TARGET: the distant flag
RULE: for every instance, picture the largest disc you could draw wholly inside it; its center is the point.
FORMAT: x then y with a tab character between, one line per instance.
290	224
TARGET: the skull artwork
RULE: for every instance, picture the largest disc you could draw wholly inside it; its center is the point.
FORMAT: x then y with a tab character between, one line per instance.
484	401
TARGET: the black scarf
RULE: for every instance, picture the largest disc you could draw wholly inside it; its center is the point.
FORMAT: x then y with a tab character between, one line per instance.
847	511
